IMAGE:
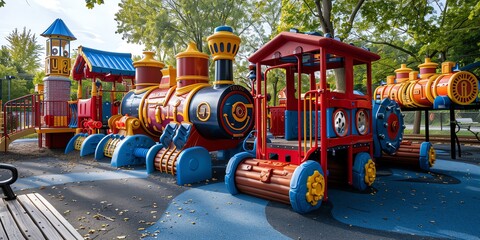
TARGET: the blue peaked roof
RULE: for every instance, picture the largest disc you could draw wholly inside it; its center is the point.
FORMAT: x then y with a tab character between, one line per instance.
58	28
102	63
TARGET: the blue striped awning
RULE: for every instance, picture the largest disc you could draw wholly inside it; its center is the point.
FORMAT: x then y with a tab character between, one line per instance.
102	63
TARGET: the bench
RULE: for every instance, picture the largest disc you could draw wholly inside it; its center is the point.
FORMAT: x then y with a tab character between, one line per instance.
30	216
467	123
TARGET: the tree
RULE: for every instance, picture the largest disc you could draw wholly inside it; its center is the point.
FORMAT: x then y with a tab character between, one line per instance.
443	29
24	50
324	14
167	26
420	29
261	28
91	3
20	58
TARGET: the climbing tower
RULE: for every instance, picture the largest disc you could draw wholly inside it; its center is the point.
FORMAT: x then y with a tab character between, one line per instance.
56	83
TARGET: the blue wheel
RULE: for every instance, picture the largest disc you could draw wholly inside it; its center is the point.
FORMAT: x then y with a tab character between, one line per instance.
101	145
71	144
90	144
388	126
427	156
364	171
124	153
232	168
150	158
194	164
307	187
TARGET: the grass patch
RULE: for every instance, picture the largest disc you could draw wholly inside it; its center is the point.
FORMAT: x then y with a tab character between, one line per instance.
33	135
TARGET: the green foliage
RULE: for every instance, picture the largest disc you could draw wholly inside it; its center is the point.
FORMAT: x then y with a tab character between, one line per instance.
441	30
167	26
299	14
24	50
19	59
400	31
2	3
91	3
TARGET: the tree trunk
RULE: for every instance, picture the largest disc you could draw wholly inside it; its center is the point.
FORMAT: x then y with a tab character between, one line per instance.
417	122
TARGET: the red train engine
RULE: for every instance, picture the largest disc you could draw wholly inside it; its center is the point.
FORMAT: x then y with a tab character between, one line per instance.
328	131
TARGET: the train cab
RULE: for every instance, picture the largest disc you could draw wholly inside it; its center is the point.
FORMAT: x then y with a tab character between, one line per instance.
326	113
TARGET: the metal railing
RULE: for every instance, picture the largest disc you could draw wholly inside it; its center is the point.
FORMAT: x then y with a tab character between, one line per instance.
19	114
311	122
27	112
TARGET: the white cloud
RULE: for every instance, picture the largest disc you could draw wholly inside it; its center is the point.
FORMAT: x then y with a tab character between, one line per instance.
93	28
53	5
88	36
134	49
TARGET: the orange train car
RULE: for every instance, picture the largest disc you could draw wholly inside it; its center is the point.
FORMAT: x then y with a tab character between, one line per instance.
429	89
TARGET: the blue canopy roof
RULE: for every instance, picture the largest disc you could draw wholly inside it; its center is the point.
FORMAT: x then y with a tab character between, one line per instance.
102	63
58	28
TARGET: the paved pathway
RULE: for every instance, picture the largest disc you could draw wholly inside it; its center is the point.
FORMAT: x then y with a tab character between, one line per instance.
440	204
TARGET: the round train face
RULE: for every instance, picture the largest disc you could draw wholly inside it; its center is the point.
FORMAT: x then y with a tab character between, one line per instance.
225	113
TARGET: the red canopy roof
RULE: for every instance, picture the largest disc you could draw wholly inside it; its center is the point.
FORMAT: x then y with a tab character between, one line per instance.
287	44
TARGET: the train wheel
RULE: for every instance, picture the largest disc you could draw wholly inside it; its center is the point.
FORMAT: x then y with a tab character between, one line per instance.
124	150
427	156
364	171
232	168
307	187
388	127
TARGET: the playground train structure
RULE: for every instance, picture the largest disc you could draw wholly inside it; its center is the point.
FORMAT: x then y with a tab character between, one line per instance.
174	119
429	89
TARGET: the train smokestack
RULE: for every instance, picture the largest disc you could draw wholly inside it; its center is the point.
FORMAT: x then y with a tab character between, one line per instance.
402	73
192	68
223	45
148	71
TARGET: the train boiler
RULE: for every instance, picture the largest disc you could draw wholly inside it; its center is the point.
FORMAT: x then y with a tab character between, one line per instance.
183	112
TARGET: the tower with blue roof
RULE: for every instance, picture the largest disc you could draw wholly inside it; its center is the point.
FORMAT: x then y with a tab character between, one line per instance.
57	70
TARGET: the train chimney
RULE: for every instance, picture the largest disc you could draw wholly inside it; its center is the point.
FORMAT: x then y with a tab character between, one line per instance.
192	68
427	69
390	79
402	73
148	71
223	45
447	67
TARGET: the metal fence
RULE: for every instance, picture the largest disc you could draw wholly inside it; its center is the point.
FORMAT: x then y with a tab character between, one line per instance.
440	120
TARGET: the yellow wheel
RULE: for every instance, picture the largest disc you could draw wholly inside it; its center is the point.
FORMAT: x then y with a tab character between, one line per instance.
433	157
370	172
364	171
315	188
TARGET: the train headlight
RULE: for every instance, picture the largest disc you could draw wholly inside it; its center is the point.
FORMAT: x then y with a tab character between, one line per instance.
239	111
340	122
362	121
203	111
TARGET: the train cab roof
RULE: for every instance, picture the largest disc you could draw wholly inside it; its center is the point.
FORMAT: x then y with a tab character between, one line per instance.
283	48
106	66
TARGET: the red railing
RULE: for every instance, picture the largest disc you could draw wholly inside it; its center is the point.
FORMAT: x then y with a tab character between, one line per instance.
29	112
19	114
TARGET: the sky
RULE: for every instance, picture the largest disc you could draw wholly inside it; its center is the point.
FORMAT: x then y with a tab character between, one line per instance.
93	28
